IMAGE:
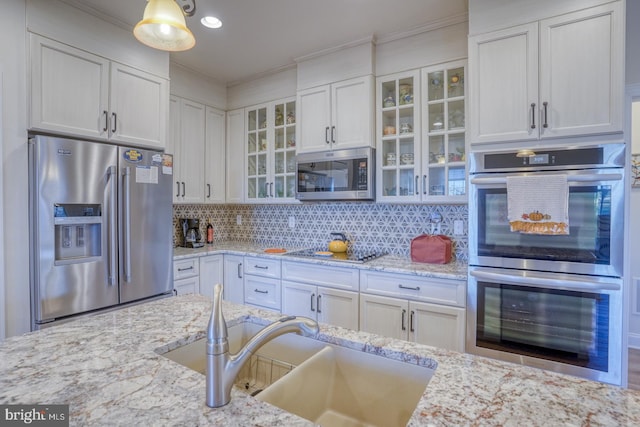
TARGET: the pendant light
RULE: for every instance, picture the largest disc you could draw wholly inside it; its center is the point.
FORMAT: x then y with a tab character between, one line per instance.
163	27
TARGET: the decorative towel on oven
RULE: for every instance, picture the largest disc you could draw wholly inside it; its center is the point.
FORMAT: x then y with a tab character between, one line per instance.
538	204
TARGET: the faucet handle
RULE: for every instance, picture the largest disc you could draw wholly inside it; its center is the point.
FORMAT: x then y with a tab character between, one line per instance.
217	328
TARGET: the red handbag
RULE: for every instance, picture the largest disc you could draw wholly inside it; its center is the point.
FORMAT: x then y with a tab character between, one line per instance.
432	249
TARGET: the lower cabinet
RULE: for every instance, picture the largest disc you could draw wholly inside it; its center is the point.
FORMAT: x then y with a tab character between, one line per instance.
423	323
419	309
326	305
211	272
234	278
186	276
262	282
326	293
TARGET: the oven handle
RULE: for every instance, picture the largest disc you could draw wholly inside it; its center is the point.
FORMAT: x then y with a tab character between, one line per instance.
539	282
570	178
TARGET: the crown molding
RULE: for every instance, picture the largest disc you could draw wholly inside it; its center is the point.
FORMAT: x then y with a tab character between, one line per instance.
424	28
323	52
262	74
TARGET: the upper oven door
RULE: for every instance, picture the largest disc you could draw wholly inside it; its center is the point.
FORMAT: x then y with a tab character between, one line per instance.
595	241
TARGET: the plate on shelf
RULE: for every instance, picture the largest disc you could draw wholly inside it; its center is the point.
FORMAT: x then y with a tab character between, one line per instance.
324	254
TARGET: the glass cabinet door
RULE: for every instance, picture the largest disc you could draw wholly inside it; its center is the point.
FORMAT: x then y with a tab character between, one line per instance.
444	156
257	149
398	126
284	150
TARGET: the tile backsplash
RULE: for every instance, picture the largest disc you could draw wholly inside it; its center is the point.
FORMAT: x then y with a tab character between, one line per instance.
369	226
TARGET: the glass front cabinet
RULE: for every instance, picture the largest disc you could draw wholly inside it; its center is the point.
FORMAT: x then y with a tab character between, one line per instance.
421	135
271	152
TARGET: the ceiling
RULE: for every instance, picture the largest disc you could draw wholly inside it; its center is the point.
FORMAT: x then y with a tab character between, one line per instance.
259	36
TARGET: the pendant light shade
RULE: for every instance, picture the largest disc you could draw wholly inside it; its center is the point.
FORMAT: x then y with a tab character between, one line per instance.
163	27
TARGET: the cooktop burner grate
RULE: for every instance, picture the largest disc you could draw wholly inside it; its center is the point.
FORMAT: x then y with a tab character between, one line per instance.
351	256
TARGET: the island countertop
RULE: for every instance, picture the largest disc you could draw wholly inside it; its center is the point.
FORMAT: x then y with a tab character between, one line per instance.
108	368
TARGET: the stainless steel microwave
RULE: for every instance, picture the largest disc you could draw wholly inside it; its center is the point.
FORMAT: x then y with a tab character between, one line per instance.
336	175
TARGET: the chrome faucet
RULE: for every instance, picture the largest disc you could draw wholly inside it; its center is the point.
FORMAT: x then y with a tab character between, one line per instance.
222	367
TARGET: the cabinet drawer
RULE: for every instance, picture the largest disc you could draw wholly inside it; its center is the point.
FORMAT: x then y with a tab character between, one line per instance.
428	289
262	266
262	291
322	275
186	268
190	285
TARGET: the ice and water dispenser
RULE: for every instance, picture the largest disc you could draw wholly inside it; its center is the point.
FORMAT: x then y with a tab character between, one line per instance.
77	232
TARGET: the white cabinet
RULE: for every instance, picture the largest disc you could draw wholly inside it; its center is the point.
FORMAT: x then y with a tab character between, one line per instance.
262	282
187	129
235	171
424	310
340	115
430	324
186	276
234	278
214	160
421	135
77	93
271	152
211	273
327	294
558	77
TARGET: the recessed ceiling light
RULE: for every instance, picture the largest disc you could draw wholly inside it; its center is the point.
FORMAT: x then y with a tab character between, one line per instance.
211	22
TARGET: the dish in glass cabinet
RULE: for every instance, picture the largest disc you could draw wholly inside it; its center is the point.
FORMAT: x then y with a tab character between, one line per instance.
324	254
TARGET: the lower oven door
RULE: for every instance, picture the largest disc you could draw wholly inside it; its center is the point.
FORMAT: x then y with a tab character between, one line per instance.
564	323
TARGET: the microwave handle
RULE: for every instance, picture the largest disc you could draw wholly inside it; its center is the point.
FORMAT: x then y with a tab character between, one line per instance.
571	178
541	282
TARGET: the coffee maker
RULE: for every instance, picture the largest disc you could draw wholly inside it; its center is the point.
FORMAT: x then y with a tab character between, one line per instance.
191	233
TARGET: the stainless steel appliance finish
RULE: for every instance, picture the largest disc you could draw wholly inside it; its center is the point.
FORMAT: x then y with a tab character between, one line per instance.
358	257
596	200
553	302
336	175
566	323
101	231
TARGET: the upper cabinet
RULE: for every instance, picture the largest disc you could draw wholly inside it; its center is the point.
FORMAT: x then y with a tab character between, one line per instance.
197	139
81	94
421	135
271	151
335	116
554	78
235	174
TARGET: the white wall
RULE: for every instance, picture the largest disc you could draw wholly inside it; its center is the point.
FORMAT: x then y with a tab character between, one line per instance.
196	87
277	85
14	167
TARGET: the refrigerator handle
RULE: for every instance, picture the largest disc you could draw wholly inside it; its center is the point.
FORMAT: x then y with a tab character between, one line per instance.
126	228
113	237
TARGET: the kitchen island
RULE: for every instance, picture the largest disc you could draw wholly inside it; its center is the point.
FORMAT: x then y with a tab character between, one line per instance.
108	368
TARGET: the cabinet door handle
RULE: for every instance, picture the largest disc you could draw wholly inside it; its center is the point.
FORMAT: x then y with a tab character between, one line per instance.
115	123
424	184
313	297
178	186
533	115
411	321
271	189
106	121
185	269
260	292
417	288
417	191
546	122
239	270
266	189
261	267
208	191
318	305
333	134
182	188
404	313
326	134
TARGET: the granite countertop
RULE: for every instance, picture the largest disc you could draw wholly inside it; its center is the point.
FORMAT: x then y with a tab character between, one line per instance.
456	270
107	368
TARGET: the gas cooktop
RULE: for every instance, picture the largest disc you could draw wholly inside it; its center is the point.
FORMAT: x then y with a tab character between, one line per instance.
351	256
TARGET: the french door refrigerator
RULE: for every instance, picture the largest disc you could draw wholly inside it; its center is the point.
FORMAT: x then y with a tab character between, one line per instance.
100	227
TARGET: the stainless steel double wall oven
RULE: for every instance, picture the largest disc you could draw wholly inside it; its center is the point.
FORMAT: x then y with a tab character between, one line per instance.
552	301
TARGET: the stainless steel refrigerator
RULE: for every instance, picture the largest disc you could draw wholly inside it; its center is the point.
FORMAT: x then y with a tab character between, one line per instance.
101	227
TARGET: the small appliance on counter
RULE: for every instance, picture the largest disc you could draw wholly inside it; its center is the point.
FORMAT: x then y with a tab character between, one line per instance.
339	244
192	238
